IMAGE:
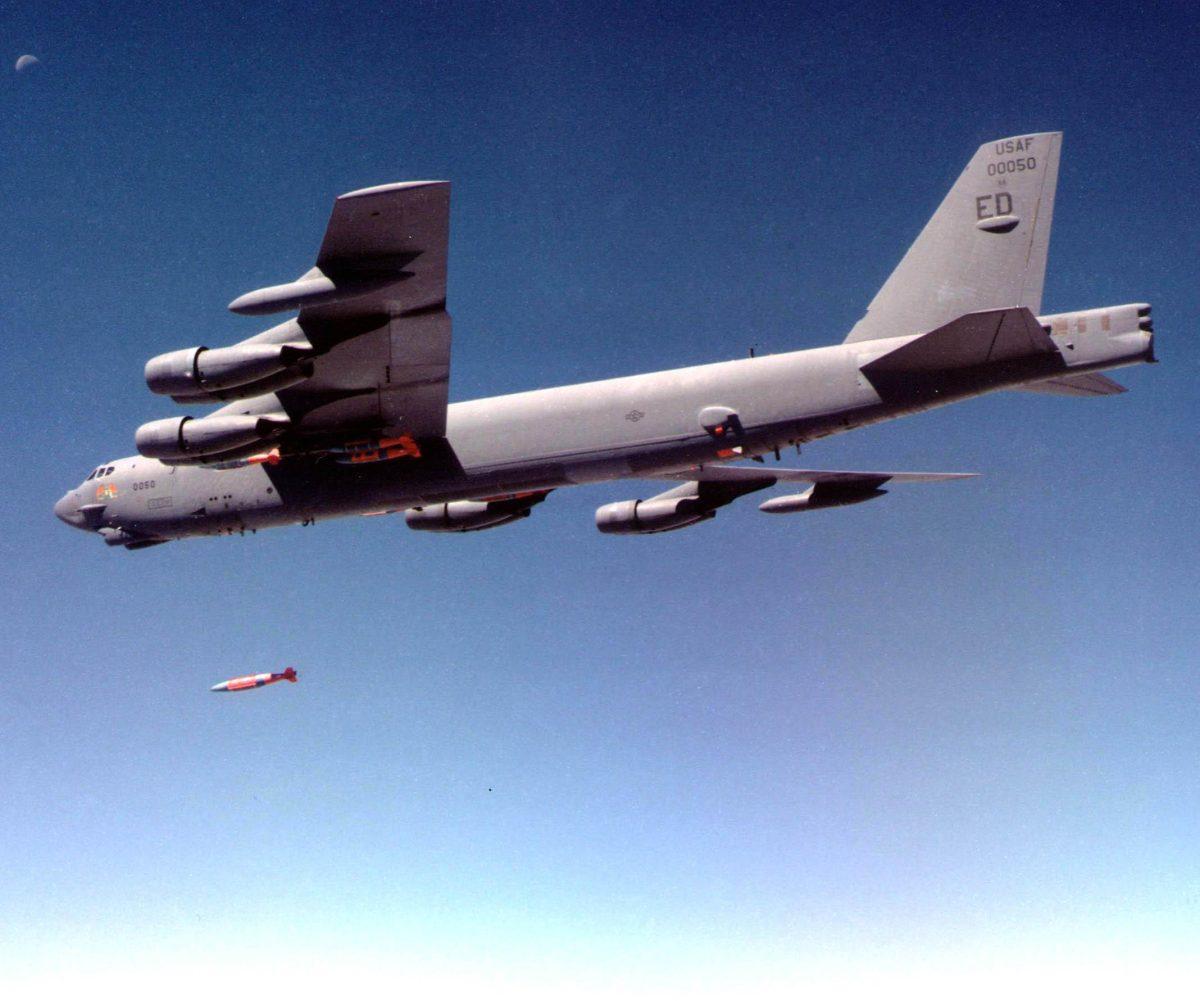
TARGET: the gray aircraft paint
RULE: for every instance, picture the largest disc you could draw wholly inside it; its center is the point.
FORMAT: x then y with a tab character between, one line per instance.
985	246
954	320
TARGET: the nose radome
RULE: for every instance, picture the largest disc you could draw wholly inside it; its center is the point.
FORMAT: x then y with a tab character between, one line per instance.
67	511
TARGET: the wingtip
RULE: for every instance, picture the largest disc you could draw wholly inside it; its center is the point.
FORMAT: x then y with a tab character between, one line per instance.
933	477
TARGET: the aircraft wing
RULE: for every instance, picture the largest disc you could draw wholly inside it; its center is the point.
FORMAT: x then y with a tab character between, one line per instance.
385	361
372	328
706	488
768	475
362	371
392	227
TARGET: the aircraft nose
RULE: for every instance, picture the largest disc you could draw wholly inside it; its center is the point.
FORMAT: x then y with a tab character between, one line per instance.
66	510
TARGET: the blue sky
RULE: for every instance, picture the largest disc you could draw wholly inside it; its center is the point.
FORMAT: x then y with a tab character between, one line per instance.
952	731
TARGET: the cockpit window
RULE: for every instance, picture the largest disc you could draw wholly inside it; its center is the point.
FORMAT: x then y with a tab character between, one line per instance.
90	475
108	471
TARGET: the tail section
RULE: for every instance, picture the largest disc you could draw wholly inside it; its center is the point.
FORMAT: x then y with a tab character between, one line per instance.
989	337
1012	348
983	249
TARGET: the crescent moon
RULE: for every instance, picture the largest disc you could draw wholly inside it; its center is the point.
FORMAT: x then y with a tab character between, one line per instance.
26	61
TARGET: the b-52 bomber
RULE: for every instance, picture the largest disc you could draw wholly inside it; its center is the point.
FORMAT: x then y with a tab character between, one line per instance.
343	409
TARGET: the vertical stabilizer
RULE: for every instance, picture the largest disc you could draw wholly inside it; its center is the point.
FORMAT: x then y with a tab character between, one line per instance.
984	248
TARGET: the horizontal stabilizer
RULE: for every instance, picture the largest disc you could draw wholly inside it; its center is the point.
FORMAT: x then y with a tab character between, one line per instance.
991	336
1087	384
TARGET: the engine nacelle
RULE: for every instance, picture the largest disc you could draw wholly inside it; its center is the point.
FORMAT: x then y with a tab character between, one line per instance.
823	495
187	437
658	514
272	384
199	371
467	516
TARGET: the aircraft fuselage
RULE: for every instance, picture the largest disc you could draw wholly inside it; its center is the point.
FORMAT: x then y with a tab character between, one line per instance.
540	440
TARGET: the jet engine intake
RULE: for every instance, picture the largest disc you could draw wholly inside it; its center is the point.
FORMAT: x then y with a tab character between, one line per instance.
197	372
187	437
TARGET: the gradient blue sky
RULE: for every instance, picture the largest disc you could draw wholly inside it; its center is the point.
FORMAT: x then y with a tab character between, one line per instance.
937	741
